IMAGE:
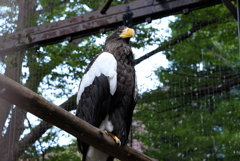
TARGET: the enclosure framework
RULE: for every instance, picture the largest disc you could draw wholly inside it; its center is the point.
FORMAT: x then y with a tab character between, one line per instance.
26	99
95	22
70	29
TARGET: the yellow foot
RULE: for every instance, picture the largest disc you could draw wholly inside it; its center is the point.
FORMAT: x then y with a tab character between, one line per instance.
115	138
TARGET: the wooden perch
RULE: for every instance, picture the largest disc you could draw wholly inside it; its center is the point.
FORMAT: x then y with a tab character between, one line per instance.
28	100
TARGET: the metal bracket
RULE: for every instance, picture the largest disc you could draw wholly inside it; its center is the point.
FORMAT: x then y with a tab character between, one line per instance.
185	10
102	30
69	38
127	17
148	19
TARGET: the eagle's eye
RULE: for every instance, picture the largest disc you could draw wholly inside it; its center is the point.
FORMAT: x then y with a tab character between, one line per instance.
120	32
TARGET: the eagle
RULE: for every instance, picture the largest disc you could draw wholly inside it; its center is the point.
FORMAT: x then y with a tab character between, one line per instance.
107	92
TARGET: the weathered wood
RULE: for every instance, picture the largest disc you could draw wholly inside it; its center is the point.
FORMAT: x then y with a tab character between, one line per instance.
28	100
91	23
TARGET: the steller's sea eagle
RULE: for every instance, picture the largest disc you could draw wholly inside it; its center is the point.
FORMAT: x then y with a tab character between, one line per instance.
107	93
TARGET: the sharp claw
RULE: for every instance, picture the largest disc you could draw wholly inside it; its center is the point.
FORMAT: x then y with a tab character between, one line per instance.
106	131
115	138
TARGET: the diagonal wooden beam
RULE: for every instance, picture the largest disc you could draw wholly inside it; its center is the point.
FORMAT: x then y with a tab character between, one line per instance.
231	8
28	100
92	23
106	6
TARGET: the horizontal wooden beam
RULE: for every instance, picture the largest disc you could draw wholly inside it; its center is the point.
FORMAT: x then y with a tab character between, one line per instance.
26	99
94	22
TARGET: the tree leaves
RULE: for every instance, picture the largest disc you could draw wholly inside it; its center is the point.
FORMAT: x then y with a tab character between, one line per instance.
193	115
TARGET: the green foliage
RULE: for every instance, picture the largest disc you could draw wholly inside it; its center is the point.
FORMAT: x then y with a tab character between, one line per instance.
210	42
194	114
63	10
54	71
146	35
7	16
52	151
68	152
64	63
191	131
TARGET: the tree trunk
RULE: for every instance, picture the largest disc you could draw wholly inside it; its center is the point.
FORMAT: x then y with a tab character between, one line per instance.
12	118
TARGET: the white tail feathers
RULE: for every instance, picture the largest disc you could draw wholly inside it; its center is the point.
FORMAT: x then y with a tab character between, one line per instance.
94	154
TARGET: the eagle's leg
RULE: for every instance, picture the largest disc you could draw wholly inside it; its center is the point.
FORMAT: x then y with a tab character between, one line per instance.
115	138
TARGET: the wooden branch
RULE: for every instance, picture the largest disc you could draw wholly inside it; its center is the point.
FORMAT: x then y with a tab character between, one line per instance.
40	129
156	112
204	91
28	100
231	8
35	134
106	6
201	76
175	40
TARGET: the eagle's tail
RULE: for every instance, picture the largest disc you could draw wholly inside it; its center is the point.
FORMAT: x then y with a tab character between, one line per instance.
94	154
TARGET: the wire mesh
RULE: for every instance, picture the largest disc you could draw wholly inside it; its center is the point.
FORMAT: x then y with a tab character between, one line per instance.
193	114
189	113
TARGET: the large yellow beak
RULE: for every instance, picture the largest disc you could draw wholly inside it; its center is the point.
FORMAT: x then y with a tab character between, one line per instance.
127	33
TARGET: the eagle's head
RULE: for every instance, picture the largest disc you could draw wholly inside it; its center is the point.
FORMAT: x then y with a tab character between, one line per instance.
125	32
121	36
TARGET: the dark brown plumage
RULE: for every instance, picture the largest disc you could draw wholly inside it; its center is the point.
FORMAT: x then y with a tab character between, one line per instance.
107	92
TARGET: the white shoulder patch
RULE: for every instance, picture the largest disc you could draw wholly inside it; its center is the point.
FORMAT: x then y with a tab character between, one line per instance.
105	64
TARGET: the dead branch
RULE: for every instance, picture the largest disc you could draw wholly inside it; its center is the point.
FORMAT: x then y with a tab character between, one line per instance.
106	6
201	76
28	100
204	91
226	86
37	132
175	41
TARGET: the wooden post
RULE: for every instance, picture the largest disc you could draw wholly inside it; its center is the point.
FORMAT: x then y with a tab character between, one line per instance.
28	100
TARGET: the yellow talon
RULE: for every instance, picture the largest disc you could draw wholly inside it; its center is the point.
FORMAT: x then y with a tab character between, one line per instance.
115	138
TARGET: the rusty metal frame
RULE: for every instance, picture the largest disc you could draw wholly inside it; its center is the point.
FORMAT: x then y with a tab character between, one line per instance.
94	22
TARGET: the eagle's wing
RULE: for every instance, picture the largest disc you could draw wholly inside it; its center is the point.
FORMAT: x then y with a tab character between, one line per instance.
97	86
